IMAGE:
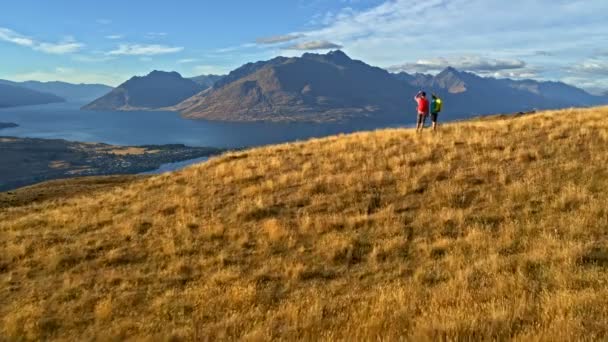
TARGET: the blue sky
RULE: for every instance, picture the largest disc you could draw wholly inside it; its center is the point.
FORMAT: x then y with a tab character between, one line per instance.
109	41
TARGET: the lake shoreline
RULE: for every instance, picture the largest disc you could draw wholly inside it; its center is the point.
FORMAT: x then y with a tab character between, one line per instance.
27	161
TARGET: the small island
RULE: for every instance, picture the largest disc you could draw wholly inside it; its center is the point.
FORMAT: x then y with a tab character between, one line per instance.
8	125
28	161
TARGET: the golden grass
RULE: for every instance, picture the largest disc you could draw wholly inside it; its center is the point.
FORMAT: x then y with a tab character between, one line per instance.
486	230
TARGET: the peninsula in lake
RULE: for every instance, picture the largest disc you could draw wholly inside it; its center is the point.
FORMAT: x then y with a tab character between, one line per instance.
8	125
28	161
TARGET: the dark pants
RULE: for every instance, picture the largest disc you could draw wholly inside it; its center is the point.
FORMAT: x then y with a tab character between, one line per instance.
434	117
421	119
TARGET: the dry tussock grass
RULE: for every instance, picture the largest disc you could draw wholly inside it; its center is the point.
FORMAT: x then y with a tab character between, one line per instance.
487	230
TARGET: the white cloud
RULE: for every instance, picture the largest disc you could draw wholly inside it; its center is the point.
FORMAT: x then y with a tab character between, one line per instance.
59	48
11	36
278	39
114	36
92	58
597	86
597	67
187	60
209	70
236	48
104	21
144	50
515	74
590	74
314	45
467	63
67	45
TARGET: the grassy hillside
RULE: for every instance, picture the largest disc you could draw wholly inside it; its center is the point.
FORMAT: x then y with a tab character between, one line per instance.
63	189
490	229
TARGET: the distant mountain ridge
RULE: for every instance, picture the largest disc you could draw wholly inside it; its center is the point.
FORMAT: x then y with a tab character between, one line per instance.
14	96
68	91
156	90
557	91
334	87
468	93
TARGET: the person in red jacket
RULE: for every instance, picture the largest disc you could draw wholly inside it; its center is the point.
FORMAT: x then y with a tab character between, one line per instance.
423	110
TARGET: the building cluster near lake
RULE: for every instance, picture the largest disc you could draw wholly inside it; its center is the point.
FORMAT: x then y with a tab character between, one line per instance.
27	161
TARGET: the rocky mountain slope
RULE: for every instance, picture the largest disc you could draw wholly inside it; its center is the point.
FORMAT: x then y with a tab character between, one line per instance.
309	88
334	87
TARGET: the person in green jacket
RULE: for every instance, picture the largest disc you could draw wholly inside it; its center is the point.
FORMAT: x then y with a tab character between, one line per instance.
436	106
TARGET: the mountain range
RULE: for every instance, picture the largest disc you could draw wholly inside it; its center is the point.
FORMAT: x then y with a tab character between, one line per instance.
469	94
331	87
67	91
313	87
156	90
14	96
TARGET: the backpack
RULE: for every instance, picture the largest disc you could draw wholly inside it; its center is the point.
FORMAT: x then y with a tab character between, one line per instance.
437	105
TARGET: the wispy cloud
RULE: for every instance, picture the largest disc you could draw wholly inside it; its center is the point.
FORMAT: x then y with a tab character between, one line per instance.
64	47
467	63
591	74
114	36
187	60
596	67
597	86
11	36
144	50
156	35
236	48
278	39
314	45
67	45
92	58
209	70
104	21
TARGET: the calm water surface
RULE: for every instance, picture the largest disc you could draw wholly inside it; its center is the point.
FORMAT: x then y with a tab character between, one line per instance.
169	167
67	121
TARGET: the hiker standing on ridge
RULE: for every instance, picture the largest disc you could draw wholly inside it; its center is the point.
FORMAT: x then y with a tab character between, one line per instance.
436	106
423	110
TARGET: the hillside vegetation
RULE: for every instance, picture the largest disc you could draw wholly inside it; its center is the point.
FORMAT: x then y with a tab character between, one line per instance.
490	229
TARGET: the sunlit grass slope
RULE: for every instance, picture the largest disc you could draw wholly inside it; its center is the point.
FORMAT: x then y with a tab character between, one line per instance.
489	229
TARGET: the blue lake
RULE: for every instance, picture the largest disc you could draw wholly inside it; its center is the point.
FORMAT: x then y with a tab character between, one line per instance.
169	167
67	121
